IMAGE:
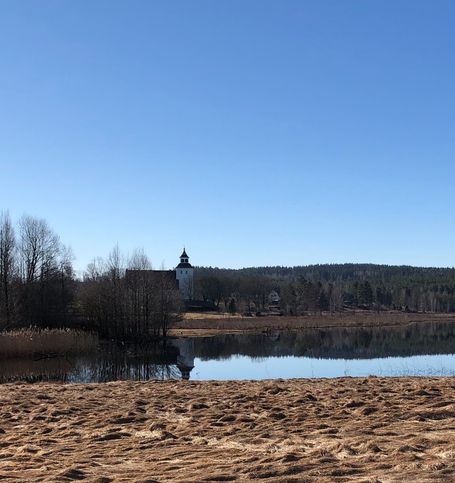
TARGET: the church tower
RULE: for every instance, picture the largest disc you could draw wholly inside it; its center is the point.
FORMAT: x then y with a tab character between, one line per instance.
184	275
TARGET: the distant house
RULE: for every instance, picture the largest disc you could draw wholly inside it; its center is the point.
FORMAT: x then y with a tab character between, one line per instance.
181	278
274	298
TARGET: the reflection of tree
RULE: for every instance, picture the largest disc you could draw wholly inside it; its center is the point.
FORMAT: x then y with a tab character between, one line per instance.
346	343
54	369
112	362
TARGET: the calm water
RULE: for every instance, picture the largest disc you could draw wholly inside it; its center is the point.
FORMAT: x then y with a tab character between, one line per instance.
420	349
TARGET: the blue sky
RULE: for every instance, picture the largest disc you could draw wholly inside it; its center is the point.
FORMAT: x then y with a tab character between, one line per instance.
253	132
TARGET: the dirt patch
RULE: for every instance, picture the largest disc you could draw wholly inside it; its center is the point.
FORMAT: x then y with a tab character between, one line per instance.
370	429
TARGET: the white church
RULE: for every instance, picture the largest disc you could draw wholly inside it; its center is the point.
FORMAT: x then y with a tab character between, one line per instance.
181	278
184	276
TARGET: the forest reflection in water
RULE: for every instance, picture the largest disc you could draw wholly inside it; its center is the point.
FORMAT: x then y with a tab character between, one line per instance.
417	349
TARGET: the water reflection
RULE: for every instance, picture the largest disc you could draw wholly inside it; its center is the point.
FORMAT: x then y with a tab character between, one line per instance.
417	349
335	343
112	362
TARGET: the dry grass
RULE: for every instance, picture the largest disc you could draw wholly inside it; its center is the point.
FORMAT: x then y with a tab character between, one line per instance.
33	342
203	324
210	316
369	429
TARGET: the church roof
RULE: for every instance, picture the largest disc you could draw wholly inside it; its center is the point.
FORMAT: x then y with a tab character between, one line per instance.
184	265
184	255
155	277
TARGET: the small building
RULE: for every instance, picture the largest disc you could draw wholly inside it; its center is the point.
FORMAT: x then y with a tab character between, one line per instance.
274	298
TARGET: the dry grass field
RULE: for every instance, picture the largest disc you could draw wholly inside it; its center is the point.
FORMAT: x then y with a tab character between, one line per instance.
210	323
363	430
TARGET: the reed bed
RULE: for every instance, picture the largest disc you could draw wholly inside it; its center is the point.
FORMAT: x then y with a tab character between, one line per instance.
33	342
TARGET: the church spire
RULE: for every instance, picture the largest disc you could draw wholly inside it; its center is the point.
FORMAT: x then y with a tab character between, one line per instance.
184	259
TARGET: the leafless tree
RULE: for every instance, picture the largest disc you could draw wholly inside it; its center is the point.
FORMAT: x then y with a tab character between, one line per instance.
45	291
39	248
335	294
167	303
7	264
115	295
139	260
95	270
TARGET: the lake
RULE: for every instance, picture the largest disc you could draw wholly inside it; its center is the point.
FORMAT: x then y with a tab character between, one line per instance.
423	349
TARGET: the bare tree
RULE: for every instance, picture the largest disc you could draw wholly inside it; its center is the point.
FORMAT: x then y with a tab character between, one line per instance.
45	291
95	270
66	276
90	295
39	248
7	264
114	263
138	288
116	293
139	260
167	303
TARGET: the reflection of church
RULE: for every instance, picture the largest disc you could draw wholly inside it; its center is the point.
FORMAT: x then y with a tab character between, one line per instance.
185	359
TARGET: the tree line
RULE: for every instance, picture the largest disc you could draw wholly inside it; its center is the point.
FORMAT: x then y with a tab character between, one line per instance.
334	288
117	296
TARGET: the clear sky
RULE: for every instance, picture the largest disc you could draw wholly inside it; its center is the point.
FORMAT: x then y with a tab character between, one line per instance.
252	132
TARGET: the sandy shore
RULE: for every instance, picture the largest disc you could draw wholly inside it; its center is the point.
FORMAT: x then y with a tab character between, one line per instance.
299	430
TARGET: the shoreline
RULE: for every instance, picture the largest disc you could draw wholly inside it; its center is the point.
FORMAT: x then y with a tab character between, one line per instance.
211	325
346	429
